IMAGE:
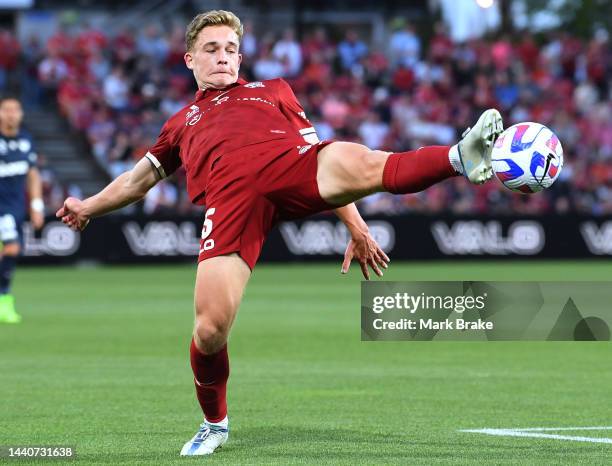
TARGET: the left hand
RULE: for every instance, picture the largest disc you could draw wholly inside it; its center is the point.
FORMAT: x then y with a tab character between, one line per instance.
37	219
367	252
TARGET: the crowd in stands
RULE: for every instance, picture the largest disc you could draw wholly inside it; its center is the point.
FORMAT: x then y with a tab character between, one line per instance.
118	89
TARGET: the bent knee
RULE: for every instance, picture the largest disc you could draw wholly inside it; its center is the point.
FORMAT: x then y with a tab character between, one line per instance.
209	330
211	335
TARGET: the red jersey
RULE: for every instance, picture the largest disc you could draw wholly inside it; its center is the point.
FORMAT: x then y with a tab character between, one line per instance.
241	117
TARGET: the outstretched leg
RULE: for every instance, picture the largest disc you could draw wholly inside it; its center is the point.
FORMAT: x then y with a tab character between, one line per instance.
348	171
220	283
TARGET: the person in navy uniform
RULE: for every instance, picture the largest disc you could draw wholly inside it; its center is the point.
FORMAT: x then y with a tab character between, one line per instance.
20	184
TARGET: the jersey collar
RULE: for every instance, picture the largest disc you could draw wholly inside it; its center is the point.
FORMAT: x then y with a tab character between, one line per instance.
200	94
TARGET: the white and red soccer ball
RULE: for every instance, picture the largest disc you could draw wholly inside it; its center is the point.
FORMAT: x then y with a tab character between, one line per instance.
527	157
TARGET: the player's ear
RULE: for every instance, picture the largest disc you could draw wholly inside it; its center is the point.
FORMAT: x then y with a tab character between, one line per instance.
188	60
239	59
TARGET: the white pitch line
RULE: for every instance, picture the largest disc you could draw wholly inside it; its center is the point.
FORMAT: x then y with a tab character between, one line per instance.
540	429
524	433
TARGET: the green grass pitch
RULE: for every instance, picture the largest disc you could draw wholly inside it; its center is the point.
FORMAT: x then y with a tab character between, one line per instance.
100	362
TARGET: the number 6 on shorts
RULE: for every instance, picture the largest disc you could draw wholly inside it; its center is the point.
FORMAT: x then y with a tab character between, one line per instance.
207	230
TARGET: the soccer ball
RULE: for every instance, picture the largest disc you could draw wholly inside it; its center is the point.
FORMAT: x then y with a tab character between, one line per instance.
527	157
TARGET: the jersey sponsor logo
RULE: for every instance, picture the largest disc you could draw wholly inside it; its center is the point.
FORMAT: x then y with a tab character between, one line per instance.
257	99
255	84
278	131
22	145
14	168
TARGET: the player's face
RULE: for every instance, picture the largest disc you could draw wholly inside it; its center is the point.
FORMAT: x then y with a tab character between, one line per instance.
215	59
11	114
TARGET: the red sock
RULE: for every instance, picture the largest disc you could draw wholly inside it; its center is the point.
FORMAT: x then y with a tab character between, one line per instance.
211	372
411	172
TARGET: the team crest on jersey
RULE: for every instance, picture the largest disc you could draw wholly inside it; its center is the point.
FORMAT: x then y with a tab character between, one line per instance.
193	116
255	84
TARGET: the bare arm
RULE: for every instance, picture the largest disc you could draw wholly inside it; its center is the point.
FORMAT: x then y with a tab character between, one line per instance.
34	188
361	246
351	217
127	188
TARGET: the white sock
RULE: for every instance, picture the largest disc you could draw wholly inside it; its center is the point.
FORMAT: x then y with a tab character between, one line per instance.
223	423
455	160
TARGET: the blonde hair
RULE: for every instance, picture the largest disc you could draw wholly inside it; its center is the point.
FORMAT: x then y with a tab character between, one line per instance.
212	18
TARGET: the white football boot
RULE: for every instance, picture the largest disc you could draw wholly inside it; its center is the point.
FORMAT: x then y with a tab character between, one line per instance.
207	439
474	149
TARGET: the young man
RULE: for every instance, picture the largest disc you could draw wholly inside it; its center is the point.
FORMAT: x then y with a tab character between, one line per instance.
253	159
18	174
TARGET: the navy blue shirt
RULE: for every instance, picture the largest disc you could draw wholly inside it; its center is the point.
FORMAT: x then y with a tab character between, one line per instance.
17	157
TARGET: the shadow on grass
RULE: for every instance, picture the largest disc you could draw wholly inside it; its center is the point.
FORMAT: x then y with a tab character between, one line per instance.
285	444
282	444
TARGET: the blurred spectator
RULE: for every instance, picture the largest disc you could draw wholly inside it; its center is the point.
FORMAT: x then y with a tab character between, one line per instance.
98	65
404	45
288	51
116	88
31	55
8	58
351	50
441	46
172	101
335	110
248	46
267	66
317	43
585	96
160	199
506	92
373	131
152	44
53	194
120	154
52	70
100	133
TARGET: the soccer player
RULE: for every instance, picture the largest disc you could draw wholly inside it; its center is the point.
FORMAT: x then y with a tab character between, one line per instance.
18	174
253	158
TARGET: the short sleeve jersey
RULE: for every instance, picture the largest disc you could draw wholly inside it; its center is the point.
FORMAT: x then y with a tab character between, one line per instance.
225	121
17	157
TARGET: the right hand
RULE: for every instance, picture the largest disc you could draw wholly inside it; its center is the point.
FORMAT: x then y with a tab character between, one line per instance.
73	214
366	250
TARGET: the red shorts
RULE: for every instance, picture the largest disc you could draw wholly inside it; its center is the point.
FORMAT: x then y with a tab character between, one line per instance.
250	191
